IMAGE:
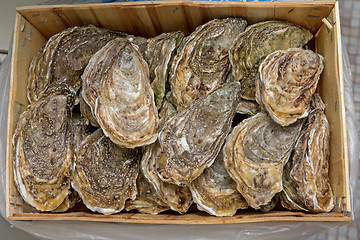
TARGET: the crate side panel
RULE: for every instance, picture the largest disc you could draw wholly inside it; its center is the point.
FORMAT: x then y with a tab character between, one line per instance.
148	19
27	41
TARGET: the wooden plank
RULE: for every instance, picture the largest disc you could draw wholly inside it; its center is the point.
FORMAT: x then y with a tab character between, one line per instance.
189	218
27	41
151	18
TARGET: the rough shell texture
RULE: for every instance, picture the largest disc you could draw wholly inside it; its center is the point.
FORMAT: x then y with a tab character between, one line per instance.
310	163
86	111
159	54
64	57
255	154
43	152
202	61
215	192
248	107
80	129
178	198
259	40
192	138
105	174
124	100
147	200
69	202
166	112
288	79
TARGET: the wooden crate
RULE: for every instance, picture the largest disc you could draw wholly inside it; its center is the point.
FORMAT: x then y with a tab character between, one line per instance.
34	25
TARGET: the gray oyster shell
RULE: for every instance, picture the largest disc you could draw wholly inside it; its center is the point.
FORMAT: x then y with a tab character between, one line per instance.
192	139
125	107
259	40
288	79
43	151
147	200
86	111
80	129
66	54
159	54
177	198
255	154
105	174
166	112
202	61
310	162
215	192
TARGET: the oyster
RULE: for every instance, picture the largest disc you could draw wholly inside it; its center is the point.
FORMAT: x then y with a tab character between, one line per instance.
159	54
105	174
192	138
80	129
215	192
125	107
202	61
255	154
271	205
43	152
178	198
259	40
86	111
69	202
248	107
66	54
147	200
310	162
166	112
288	79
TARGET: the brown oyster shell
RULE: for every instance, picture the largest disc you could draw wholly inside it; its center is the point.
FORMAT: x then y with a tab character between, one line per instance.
147	200
288	79
193	137
259	40
43	151
255	154
159	54
202	61
177	198
105	174
215	192
248	107
310	162
125	108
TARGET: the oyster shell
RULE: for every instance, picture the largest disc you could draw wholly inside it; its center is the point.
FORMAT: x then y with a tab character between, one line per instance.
66	54
147	200
42	149
80	129
178	198
288	79
259	40
202	61
310	162
166	112
105	174
248	107
255	154
86	111
215	192
159	54
192	138
271	205
125	108
69	202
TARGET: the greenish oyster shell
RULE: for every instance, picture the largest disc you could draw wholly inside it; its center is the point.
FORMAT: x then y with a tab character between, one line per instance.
147	200
310	162
288	79
259	40
159	54
192	139
125	107
255	154
202	63
105	174
65	55
178	198
215	192
43	151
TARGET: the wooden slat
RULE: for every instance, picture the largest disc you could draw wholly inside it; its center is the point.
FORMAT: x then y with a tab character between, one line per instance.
27	41
332	92
189	218
152	18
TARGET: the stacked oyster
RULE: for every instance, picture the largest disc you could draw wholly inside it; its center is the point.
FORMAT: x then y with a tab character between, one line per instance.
123	122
